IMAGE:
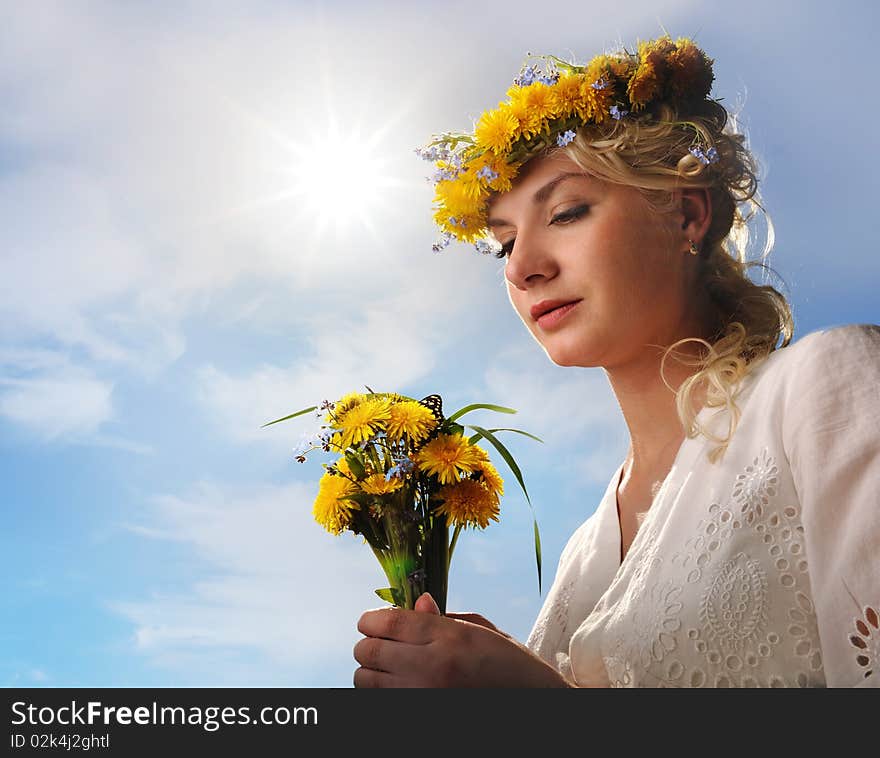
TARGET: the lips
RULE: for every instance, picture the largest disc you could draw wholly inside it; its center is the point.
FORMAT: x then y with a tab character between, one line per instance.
548	306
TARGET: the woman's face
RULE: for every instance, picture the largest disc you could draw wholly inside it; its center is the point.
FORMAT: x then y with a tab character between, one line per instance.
592	270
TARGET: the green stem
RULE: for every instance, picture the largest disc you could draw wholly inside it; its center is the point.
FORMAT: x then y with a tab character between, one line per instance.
452	546
436	560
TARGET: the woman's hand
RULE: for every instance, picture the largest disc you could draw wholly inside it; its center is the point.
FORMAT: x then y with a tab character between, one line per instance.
421	648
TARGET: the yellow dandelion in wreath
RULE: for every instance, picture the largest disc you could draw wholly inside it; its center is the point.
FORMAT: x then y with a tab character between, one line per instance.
652	73
362	421
690	71
504	175
596	101
530	121
496	129
456	198
412	419
567	97
468	503
448	457
599	70
643	86
540	101
331	509
376	484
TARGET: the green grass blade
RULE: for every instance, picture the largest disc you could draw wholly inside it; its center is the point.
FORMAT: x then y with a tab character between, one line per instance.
537	551
519	431
468	408
505	453
292	415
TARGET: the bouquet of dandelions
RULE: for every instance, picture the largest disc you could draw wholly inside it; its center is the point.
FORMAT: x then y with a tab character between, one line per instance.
405	475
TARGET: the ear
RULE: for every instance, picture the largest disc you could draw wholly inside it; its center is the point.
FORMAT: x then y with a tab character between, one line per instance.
696	214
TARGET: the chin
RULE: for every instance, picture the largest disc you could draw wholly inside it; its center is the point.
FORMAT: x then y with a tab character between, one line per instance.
580	353
569	358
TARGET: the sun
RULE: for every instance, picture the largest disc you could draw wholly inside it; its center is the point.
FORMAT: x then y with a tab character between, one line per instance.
324	176
338	178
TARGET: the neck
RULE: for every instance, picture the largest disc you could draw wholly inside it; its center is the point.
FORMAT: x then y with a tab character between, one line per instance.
649	408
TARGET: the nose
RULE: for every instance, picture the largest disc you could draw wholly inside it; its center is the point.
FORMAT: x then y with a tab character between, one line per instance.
530	261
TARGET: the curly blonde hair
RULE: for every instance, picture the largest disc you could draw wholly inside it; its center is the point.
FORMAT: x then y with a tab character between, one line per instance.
748	320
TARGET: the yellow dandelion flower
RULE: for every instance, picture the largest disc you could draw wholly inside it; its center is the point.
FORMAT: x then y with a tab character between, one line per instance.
331	509
598	70
644	85
411	419
468	503
506	173
650	77
595	102
474	226
362	421
566	94
530	121
448	457
491	173
540	100
496	130
472	188
491	478
342	405
621	66
467	227
456	197
690	71
375	484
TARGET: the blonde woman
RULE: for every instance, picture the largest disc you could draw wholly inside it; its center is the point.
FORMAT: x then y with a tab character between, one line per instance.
736	545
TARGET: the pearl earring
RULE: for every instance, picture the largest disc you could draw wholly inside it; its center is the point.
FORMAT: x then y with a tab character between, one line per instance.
693	249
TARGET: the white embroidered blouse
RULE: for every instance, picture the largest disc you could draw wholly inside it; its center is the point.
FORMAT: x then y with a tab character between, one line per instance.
761	570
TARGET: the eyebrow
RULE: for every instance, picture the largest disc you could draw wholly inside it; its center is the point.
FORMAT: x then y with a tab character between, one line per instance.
541	195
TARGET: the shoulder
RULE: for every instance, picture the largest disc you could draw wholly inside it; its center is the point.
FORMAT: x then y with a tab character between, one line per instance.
826	383
826	359
853	341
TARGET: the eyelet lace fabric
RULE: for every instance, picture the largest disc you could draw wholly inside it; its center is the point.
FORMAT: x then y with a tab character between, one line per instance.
758	571
730	608
865	638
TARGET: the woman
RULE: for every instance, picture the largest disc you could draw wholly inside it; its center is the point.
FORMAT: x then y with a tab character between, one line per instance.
736	545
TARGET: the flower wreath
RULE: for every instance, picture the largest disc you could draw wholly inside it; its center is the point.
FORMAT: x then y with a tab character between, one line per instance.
544	108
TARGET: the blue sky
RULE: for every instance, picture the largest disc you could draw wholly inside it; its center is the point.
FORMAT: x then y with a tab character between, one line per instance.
169	282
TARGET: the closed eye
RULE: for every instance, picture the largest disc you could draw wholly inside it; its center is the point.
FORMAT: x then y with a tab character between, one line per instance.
572	214
566	217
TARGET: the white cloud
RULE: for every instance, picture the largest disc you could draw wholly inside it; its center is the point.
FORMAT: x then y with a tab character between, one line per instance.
389	343
147	180
45	392
272	582
73	404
